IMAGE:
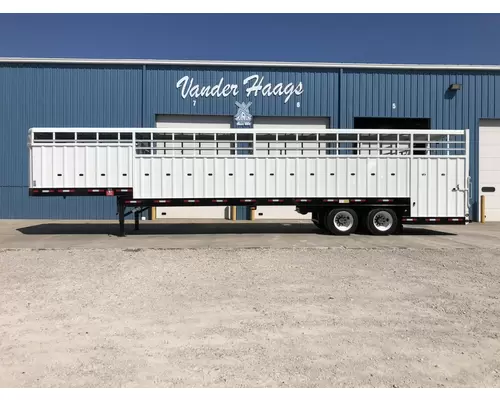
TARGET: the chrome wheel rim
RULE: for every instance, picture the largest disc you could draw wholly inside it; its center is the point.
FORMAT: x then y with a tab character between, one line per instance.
383	221
343	221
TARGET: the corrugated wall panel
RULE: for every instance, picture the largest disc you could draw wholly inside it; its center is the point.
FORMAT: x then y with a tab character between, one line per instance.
44	95
16	204
92	95
424	94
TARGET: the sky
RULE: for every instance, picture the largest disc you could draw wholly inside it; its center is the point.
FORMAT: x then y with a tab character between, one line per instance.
373	38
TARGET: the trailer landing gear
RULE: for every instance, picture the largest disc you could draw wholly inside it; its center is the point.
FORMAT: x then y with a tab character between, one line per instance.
121	216
137	211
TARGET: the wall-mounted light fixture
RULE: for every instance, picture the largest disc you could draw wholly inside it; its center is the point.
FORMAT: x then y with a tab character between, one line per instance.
455	86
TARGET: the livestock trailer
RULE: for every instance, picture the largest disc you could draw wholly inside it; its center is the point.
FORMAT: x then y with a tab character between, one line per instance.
346	179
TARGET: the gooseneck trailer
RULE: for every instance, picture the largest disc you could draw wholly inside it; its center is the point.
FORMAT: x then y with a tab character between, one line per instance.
346	179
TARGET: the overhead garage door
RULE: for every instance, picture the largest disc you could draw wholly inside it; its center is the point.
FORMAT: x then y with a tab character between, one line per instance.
286	212
193	121
489	167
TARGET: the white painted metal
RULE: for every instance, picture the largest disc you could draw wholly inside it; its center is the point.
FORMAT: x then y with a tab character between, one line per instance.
192	212
291	123
489	166
286	123
192	122
317	163
258	64
282	212
58	162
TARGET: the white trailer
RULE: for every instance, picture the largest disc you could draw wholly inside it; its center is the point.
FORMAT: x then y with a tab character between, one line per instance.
346	179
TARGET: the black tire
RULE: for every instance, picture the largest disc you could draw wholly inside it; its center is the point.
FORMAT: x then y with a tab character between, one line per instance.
347	216
382	222
318	219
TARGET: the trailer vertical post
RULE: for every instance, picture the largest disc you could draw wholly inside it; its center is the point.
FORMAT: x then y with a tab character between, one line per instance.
483	208
121	216
136	222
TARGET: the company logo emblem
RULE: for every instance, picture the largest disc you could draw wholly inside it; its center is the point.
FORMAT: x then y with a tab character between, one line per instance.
243	117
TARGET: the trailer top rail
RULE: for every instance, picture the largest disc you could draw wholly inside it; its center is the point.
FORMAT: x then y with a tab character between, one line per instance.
160	142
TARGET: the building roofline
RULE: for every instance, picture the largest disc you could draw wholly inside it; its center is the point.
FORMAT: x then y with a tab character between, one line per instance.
268	64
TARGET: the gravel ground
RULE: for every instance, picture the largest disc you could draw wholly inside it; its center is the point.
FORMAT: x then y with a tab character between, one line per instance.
249	317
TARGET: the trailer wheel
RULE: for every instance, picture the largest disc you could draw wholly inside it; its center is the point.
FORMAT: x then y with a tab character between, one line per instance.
342	221
382	221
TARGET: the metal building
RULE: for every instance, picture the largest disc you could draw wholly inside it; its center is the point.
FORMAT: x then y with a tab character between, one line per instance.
82	93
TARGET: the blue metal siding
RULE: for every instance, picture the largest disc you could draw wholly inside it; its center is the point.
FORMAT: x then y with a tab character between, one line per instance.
16	204
319	99
65	96
128	96
41	95
421	94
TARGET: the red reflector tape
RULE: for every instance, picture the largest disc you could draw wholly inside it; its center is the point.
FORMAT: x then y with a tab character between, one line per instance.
219	201
191	201
122	190
65	190
35	191
359	200
455	219
274	200
329	200
162	201
303	200
48	191
432	219
133	201
247	201
385	200
96	190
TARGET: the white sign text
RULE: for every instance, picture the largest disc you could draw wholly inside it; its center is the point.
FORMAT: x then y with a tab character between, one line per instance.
255	85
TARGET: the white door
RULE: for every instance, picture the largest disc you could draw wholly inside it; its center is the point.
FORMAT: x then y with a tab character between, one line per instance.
193	121
286	212
489	167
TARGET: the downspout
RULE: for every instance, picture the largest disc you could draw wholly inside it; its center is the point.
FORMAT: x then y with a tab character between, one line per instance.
340	122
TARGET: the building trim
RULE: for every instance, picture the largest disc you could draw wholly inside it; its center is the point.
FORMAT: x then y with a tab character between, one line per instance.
261	64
